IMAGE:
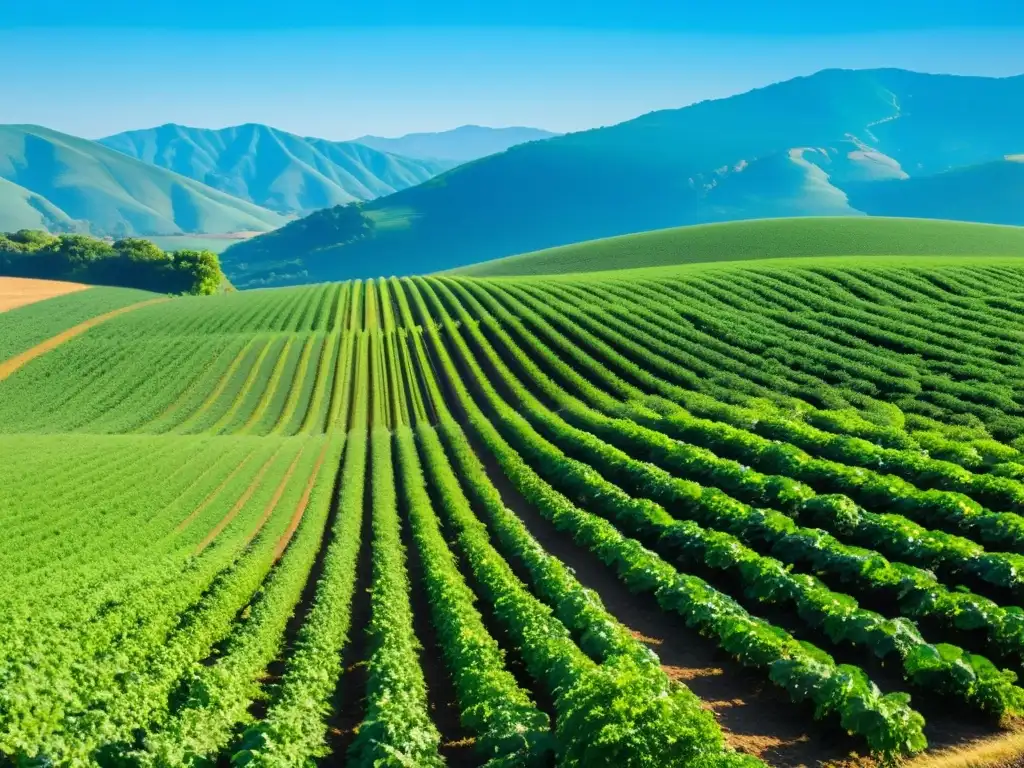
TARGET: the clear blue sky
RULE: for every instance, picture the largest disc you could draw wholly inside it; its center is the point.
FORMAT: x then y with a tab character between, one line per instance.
337	71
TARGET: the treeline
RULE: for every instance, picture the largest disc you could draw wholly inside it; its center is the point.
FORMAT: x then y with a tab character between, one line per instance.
130	262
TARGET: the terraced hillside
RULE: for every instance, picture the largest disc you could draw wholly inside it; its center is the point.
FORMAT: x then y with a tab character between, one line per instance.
710	516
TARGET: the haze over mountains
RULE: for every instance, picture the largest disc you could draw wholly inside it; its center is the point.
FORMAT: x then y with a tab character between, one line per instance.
839	142
174	179
460	145
49	180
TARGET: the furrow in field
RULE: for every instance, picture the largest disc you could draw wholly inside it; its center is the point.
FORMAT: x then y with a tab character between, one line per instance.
10	366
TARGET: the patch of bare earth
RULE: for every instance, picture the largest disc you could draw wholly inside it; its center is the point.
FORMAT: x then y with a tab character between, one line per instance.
21	291
756	717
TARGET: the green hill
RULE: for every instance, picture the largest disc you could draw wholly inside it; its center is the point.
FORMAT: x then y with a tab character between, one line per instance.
468	142
275	169
790	149
62	182
764	239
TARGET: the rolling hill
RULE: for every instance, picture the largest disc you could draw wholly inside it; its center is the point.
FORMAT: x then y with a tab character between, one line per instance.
468	142
274	169
790	149
764	239
50	180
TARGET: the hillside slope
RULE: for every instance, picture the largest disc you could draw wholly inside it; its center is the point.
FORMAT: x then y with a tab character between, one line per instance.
989	192
764	239
61	182
790	149
468	142
275	169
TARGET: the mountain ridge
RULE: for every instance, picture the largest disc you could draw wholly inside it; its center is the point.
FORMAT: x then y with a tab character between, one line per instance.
278	170
61	182
717	160
462	144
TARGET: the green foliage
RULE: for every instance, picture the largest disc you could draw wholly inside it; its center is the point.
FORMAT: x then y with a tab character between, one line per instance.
129	262
171	537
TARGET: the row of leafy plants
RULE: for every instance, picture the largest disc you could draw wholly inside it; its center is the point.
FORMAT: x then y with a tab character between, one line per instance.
887	722
613	703
948	509
948	670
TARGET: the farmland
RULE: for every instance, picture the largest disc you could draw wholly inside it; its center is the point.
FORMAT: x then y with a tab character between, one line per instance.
16	292
715	515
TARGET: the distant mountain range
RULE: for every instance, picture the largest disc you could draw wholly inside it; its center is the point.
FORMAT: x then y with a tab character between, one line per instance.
49	180
274	169
460	145
839	142
174	179
989	192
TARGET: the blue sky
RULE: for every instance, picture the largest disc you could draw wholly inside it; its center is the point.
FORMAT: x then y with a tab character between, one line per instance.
333	70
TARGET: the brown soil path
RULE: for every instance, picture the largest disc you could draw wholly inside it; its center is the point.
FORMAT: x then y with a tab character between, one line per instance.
300	508
278	493
21	291
246	495
8	367
212	495
756	716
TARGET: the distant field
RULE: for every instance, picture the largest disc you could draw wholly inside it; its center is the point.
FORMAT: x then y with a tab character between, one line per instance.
727	515
21	291
215	243
764	239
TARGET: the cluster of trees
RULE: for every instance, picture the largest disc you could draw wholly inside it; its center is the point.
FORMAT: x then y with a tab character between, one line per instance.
130	262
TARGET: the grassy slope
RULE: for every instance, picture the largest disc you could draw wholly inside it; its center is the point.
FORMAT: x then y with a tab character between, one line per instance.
276	169
22	209
713	161
765	239
114	193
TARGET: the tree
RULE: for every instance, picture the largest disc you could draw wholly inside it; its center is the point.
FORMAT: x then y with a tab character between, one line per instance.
204	269
137	249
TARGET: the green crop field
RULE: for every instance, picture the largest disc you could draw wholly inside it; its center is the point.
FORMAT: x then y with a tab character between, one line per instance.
818	236
765	513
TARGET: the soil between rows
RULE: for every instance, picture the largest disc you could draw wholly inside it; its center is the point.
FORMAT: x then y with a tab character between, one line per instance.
755	717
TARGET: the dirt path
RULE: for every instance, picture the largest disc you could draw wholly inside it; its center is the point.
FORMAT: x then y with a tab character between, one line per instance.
9	367
211	496
271	506
21	291
300	508
246	495
349	699
756	717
